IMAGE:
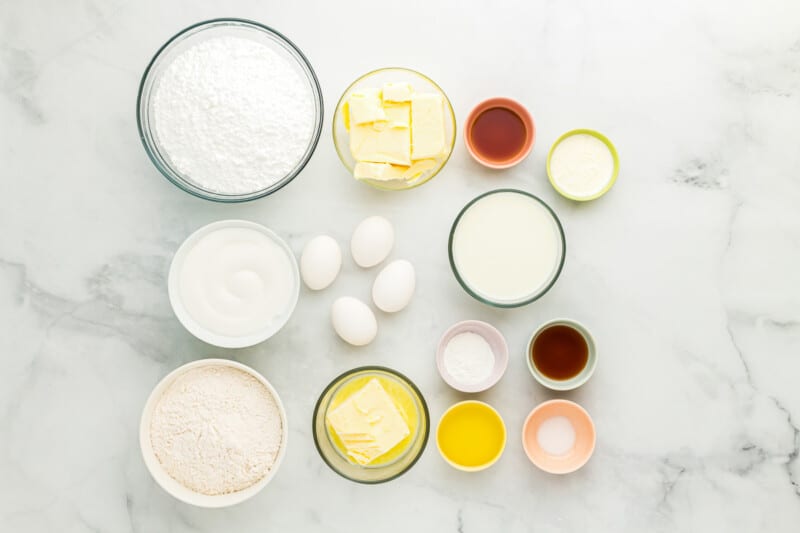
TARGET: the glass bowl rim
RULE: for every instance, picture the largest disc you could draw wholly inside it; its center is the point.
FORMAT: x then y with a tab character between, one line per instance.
515	303
361	78
186	185
423	434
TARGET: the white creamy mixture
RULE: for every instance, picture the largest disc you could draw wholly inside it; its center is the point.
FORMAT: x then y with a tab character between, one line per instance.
556	435
233	115
236	282
507	246
581	165
216	430
468	358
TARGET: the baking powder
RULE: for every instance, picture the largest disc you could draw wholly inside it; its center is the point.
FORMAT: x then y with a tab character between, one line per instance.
216	430
468	358
233	115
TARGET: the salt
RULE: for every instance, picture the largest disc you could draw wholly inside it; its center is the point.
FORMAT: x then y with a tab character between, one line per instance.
233	115
556	435
468	358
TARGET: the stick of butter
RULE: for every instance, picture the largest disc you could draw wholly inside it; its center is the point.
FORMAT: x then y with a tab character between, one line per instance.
427	126
368	423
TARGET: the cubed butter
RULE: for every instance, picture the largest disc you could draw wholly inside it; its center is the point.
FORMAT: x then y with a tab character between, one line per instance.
427	126
386	172
346	115
379	171
368	423
380	143
398	115
365	106
418	167
397	92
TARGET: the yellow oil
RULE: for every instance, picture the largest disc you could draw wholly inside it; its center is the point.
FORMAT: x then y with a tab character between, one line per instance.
402	399
471	435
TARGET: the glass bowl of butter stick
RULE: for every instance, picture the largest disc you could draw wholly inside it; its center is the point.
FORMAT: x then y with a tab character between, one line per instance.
394	129
371	424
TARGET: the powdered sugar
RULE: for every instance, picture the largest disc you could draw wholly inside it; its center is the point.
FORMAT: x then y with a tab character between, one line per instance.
216	430
233	115
468	358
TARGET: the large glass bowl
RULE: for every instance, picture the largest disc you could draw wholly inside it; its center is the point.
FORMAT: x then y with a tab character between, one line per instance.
324	436
189	37
376	78
528	298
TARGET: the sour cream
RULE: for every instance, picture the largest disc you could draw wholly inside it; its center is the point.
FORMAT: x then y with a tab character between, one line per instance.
581	165
507	248
233	283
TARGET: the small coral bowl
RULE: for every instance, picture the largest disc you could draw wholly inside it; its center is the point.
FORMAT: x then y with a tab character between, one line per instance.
517	109
585	437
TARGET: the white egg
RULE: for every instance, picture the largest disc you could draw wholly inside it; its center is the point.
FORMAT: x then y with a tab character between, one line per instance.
394	286
354	321
320	262
372	241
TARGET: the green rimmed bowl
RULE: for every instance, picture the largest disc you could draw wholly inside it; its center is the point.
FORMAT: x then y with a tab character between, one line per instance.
608	185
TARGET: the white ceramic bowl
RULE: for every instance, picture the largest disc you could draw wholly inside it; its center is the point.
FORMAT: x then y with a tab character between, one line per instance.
198	330
495	340
171	485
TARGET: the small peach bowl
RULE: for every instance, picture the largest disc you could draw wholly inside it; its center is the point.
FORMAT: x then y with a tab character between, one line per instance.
585	437
519	110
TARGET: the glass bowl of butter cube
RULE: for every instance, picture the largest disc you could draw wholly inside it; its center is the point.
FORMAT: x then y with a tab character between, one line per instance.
371	424
394	129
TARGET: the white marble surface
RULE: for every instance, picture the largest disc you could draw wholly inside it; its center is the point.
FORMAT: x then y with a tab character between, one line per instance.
688	272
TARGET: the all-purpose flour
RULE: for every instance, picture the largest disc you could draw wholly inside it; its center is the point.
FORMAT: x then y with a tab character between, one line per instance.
233	115
216	430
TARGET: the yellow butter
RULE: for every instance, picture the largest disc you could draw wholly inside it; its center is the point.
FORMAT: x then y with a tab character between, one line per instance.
418	167
346	115
368	423
387	172
365	170
398	115
397	92
365	106
427	126
380	143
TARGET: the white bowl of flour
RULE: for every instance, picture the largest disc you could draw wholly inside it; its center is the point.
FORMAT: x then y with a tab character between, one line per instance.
229	110
213	433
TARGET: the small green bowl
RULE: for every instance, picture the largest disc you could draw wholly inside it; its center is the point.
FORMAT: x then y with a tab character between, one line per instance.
614	155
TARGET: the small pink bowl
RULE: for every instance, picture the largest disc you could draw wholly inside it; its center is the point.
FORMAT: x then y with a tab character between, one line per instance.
585	437
495	340
516	108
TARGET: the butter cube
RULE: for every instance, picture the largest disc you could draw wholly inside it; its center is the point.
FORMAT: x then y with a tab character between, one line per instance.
386	172
427	126
397	92
365	106
380	143
346	115
418	167
378	171
398	115
368	423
